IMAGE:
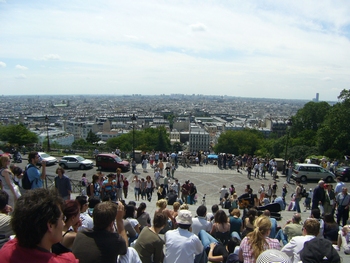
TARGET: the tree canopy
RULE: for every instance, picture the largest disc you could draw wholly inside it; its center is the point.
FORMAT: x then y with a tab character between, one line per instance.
17	135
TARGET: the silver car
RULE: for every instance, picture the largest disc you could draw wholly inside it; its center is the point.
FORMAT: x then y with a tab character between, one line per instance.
48	158
304	172
75	162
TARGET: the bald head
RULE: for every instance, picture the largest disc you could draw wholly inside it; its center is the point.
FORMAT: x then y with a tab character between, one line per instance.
296	218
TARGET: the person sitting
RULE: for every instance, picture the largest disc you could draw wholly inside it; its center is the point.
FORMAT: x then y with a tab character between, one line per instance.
85	218
331	228
131	225
257	241
249	221
5	219
221	228
182	245
236	223
72	222
149	245
316	213
291	229
200	222
343	240
273	223
36	234
310	229
217	252
102	243
142	216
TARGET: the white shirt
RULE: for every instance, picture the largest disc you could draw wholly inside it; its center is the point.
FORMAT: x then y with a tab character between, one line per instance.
86	221
223	191
199	223
295	245
181	246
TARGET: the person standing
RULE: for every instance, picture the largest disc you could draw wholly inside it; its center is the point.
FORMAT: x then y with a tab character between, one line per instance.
119	180
137	187
62	184
343	202
125	187
185	188
297	197
7	178
318	195
35	176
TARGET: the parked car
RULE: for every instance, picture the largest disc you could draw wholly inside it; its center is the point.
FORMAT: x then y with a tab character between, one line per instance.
344	173
2	153
48	158
75	162
304	172
110	161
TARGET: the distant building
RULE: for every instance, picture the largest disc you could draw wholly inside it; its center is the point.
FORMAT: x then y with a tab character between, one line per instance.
199	140
59	136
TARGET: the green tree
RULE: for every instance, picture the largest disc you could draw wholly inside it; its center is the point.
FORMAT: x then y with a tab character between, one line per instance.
334	132
92	137
310	117
17	134
80	144
239	142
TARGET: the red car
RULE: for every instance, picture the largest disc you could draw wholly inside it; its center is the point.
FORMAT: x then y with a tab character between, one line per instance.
3	153
110	161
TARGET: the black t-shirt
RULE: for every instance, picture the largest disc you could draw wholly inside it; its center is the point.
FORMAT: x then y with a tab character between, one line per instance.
220	250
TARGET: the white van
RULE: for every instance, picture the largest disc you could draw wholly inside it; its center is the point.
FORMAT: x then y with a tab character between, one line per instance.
304	172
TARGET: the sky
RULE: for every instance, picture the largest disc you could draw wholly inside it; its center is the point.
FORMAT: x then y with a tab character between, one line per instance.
262	49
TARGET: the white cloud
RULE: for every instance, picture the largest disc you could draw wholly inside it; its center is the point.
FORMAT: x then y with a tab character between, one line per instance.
2	64
223	47
51	57
21	67
21	76
198	27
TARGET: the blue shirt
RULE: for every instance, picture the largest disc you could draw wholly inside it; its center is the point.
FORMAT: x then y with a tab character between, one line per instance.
34	176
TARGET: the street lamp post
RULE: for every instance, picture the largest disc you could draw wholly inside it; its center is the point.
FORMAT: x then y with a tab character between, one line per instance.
289	124
133	119
47	132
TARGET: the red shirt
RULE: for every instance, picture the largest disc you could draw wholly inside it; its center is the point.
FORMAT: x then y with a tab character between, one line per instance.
11	252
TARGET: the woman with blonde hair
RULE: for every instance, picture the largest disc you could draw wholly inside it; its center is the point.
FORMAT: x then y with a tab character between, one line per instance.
257	241
162	204
7	180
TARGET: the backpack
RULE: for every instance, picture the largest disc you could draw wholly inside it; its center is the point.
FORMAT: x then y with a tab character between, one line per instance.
319	250
227	204
26	183
303	192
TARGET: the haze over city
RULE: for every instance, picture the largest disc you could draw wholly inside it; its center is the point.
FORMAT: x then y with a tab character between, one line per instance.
261	49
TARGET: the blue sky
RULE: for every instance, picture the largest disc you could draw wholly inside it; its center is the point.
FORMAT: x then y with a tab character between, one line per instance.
270	49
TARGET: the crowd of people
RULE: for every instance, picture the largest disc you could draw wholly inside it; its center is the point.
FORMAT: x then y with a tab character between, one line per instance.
99	226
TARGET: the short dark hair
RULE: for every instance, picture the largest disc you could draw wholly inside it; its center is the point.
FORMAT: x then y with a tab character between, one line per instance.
33	211
214	208
201	210
32	156
93	201
4	199
129	211
159	220
316	213
104	214
82	200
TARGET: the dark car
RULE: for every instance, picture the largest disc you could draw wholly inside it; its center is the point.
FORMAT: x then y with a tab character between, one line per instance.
344	173
110	161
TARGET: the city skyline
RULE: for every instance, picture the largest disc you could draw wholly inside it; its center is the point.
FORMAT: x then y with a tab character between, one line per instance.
289	49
